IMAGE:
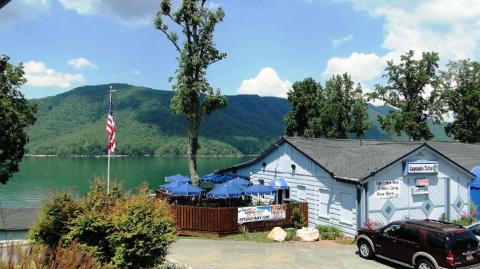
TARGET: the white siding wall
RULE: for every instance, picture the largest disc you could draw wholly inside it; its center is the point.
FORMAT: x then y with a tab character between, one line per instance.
329	202
410	206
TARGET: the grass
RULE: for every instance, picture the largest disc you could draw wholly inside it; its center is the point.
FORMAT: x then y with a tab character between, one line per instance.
260	237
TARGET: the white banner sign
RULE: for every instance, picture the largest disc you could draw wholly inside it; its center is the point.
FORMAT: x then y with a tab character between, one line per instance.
422	168
387	189
261	213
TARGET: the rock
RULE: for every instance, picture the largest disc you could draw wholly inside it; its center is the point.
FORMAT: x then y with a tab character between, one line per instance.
277	234
308	234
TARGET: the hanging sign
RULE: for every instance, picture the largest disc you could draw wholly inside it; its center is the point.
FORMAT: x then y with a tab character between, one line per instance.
422	168
261	213
387	189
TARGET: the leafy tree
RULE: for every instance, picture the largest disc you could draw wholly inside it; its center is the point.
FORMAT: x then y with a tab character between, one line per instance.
461	84
405	90
334	111
194	97
304	106
15	115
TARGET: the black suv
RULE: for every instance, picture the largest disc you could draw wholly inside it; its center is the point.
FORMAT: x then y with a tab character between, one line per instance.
423	244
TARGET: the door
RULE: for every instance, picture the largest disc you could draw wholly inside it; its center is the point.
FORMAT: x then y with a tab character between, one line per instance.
398	242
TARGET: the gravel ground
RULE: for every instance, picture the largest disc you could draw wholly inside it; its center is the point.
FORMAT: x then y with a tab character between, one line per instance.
211	254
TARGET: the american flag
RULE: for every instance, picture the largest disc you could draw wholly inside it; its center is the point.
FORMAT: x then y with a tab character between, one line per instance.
110	127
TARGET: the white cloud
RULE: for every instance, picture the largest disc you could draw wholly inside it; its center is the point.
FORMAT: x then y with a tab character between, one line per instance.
39	75
360	66
136	72
451	28
337	42
266	83
23	10
85	7
130	12
81	63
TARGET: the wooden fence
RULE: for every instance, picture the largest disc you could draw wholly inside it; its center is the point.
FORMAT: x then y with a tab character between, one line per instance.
218	221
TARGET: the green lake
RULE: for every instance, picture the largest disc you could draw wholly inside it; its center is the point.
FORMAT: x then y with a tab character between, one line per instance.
39	177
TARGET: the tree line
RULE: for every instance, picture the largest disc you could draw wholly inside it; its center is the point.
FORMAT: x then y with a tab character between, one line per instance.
416	90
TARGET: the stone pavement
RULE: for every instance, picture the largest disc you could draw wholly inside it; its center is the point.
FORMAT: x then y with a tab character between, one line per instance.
212	254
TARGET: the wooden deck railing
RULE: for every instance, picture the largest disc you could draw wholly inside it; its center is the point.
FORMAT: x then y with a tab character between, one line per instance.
219	221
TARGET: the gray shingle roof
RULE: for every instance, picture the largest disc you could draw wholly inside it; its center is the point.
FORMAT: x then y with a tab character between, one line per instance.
17	219
357	160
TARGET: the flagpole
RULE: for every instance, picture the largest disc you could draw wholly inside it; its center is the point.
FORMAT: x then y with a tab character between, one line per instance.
108	158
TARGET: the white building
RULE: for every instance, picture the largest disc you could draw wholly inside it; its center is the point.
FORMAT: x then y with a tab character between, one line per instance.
347	182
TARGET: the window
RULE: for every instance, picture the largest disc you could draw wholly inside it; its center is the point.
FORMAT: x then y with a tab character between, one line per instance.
347	205
392	230
324	203
409	234
301	193
436	240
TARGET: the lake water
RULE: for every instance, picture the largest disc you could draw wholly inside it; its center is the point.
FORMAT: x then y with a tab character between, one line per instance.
39	177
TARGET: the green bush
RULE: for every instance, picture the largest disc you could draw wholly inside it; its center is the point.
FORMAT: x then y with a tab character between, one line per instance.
54	220
116	228
298	218
291	234
329	232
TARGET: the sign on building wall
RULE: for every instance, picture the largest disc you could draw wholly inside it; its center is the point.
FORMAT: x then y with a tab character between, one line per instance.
261	213
421	186
422	168
387	188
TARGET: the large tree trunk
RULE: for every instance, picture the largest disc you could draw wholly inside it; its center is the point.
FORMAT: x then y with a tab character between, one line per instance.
193	128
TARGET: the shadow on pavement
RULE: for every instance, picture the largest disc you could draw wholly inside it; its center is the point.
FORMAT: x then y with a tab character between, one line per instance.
384	262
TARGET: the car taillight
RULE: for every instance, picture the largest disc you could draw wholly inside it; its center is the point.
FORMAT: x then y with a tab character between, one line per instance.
451	258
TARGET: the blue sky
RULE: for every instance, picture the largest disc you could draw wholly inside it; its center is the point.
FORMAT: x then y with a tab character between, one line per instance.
270	43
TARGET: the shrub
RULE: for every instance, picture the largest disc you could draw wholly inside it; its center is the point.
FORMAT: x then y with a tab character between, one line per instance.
117	229
298	218
143	230
54	219
291	234
465	219
329	232
370	224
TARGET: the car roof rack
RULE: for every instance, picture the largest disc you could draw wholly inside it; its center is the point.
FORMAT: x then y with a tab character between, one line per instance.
436	224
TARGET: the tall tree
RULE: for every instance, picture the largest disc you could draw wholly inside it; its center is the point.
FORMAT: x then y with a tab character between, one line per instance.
406	91
304	103
334	111
461	85
15	115
194	97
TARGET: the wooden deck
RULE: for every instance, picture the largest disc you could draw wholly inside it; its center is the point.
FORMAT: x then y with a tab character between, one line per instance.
221	221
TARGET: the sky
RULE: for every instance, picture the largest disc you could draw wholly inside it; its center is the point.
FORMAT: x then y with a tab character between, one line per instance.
270	44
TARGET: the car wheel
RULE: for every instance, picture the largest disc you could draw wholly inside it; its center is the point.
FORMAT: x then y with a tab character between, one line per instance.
365	250
424	264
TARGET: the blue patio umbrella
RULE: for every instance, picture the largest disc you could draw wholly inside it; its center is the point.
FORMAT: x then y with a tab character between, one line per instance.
239	181
215	178
258	189
278	184
476	181
225	191
183	189
168	186
178	178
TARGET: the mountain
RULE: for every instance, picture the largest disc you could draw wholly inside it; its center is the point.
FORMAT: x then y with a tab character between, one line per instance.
73	123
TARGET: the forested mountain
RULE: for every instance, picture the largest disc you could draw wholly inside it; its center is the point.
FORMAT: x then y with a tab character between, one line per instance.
73	123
